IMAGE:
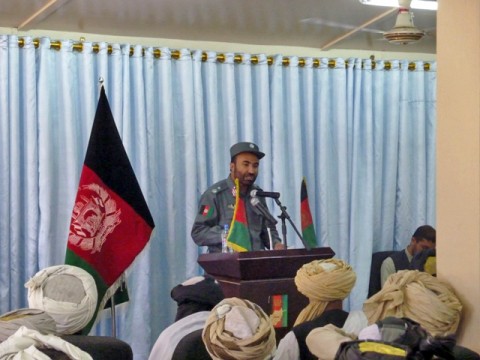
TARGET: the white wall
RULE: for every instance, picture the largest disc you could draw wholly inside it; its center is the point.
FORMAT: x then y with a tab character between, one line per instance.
458	158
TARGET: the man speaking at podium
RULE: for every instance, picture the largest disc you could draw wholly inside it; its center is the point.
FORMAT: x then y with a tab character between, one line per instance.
217	204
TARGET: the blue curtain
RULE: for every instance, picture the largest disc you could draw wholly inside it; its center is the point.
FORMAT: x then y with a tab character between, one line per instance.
361	132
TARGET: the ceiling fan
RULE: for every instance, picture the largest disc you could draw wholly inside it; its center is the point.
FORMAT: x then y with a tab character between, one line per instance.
404	31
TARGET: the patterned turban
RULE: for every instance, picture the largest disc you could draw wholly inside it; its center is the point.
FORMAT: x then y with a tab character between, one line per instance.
323	281
420	297
238	329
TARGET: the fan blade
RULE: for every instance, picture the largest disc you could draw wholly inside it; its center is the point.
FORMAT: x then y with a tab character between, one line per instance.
334	24
358	28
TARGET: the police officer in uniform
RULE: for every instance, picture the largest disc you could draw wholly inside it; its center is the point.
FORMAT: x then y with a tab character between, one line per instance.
217	203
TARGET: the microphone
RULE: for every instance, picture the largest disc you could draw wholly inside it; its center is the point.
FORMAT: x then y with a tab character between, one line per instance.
262	210
260	193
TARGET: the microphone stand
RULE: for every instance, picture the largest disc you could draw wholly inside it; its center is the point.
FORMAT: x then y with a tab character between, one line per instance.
284	215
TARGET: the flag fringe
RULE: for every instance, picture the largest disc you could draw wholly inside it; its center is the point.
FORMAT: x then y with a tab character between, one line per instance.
237	199
108	294
116	285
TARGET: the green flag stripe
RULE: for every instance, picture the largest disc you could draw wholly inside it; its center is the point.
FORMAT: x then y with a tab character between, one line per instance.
309	235
241	237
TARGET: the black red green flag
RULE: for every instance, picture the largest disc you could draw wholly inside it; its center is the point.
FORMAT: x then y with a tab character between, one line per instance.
308	230
238	236
111	222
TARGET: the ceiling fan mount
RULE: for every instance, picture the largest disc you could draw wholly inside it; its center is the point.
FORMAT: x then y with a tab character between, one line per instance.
404	32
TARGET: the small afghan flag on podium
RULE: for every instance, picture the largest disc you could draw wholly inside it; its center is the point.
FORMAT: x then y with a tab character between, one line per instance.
279	316
239	237
111	222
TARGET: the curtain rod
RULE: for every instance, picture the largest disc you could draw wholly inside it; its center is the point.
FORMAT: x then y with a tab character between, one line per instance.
78	46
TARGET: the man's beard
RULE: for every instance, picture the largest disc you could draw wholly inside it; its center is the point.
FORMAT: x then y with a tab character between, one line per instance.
247	180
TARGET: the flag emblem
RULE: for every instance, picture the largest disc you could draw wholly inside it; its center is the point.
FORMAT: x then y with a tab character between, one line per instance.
95	215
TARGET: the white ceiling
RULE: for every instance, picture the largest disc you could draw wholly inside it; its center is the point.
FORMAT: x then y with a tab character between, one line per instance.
319	24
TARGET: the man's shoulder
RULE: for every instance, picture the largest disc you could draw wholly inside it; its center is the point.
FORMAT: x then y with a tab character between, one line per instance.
218	188
387	260
398	254
400	260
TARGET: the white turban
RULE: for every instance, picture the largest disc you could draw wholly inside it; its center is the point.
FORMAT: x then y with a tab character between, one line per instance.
34	319
67	293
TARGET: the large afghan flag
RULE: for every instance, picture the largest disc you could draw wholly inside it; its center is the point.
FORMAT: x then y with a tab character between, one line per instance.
238	236
111	222
308	230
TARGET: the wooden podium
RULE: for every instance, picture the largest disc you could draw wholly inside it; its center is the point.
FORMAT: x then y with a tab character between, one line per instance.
265	278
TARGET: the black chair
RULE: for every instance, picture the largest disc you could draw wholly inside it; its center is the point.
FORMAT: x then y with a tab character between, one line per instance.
462	353
375	283
191	347
99	348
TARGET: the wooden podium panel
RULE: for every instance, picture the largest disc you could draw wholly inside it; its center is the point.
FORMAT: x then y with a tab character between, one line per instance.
260	275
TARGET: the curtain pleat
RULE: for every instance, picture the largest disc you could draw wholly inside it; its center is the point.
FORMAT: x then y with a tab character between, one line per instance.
362	136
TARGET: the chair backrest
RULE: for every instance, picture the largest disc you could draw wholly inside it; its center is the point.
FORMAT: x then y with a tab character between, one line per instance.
377	259
191	347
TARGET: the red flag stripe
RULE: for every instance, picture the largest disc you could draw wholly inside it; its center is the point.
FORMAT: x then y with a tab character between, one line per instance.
125	242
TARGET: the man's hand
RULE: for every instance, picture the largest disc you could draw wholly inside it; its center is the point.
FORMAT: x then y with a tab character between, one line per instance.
279	246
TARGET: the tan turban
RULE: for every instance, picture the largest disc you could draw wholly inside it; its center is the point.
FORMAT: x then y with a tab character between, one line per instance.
239	329
323	342
323	281
420	297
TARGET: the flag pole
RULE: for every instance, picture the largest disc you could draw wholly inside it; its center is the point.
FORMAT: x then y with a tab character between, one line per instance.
112	298
112	311
284	215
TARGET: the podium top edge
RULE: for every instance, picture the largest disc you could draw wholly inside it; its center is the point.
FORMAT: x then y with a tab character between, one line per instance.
325	251
250	265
